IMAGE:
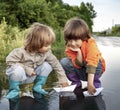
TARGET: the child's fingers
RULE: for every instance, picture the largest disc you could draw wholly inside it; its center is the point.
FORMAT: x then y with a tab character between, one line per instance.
64	84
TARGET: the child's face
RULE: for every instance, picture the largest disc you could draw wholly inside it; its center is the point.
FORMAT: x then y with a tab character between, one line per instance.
45	48
74	43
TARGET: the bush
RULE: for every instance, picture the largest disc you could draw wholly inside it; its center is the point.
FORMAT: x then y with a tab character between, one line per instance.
10	38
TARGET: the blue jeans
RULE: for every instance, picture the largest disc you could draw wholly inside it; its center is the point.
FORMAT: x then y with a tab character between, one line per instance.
75	75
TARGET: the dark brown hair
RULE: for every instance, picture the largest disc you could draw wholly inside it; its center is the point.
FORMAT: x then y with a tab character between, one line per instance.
38	36
76	28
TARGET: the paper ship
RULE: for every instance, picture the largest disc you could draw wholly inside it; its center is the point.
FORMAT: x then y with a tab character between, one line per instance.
65	89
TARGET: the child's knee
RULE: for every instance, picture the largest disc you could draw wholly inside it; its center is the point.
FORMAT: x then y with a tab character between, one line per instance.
63	62
16	73
44	69
47	66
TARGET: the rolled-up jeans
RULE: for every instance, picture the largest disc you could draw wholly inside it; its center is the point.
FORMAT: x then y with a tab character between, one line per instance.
81	73
17	73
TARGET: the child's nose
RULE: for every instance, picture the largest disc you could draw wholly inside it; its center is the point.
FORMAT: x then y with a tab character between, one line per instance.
73	43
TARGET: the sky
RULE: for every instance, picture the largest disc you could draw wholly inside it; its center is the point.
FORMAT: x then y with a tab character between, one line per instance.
108	12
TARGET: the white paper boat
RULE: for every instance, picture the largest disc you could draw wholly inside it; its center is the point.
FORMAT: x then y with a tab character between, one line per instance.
65	89
98	91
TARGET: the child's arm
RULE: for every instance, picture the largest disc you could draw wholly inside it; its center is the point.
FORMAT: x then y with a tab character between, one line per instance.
79	54
53	61
78	59
91	87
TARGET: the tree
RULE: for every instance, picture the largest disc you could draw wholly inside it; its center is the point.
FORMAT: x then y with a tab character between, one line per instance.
88	13
116	30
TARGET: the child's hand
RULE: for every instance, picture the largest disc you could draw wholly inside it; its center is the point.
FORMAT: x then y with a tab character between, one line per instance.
91	89
33	73
75	49
64	84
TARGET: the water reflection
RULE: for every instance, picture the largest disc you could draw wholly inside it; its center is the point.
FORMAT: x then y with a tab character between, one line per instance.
28	103
81	103
110	48
4	104
53	100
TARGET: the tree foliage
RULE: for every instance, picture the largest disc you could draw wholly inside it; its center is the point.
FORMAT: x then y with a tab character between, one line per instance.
87	13
116	30
55	13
